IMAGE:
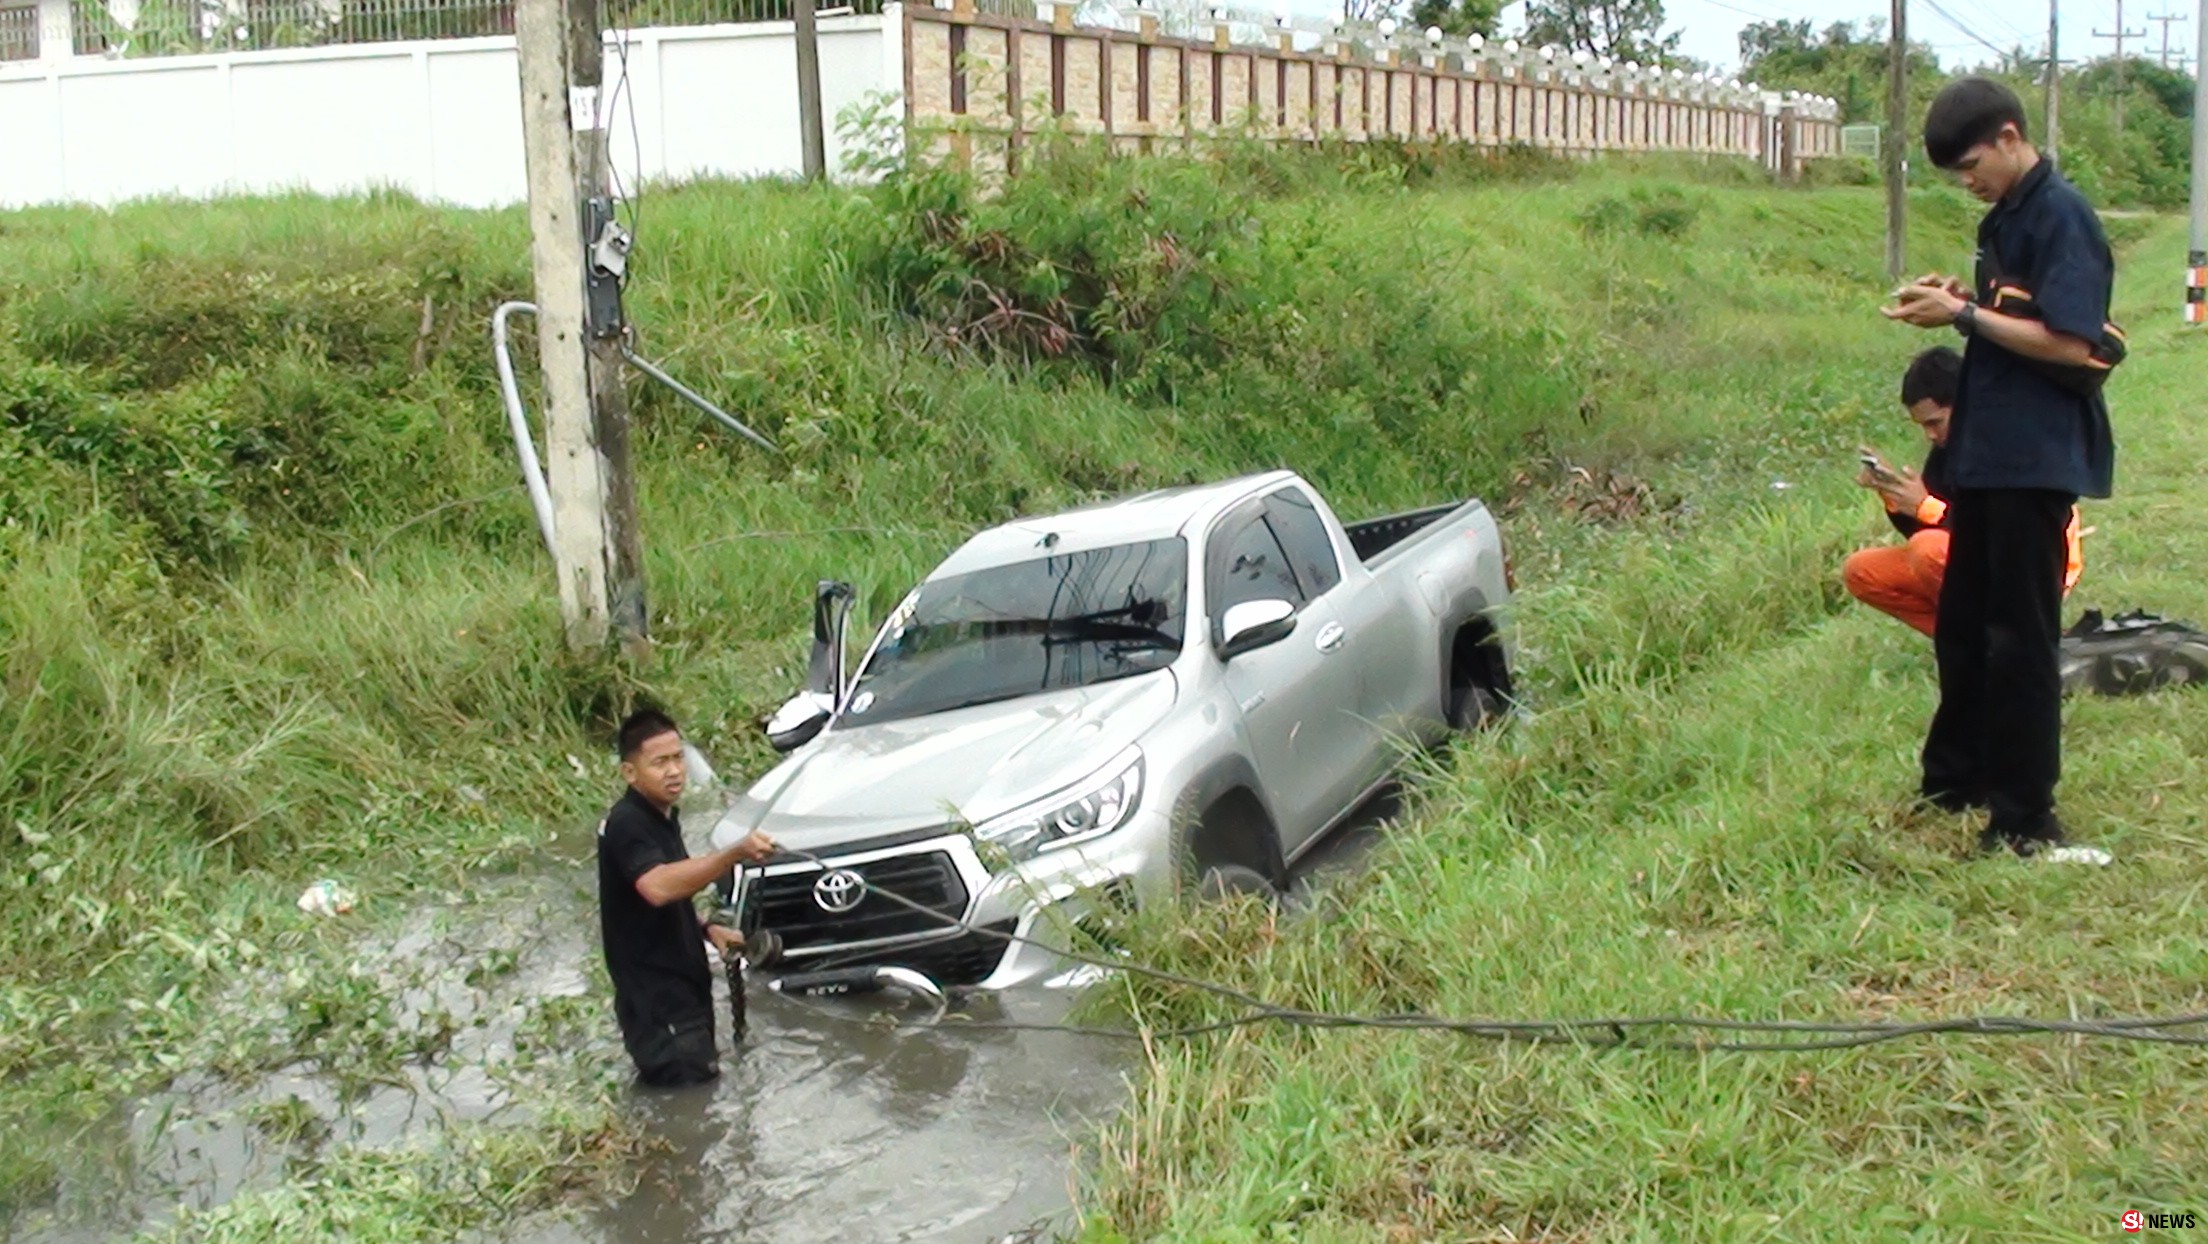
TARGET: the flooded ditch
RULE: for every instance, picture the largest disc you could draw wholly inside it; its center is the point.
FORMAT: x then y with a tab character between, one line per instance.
487	1008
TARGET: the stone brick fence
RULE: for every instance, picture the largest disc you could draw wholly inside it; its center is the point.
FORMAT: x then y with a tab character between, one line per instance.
992	80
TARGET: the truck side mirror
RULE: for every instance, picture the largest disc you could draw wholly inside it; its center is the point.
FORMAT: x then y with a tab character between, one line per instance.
1254	624
831	620
804	714
800	718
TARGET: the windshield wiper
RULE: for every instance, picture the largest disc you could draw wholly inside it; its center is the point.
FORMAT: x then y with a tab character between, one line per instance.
1131	623
1092	630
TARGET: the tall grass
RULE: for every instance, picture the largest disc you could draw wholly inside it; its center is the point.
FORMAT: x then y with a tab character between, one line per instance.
1710	819
275	609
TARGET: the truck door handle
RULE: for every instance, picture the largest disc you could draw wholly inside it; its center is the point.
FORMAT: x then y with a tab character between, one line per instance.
1331	636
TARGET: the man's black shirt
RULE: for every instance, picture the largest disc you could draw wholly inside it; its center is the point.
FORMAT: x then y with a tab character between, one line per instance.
656	955
2013	426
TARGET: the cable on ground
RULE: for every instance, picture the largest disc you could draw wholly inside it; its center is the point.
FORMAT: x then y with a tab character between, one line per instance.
1611	1032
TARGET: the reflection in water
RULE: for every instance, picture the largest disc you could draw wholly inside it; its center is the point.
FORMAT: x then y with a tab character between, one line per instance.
826	1126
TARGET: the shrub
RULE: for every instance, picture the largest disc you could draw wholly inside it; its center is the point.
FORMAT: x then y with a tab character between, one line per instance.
1125	268
1660	212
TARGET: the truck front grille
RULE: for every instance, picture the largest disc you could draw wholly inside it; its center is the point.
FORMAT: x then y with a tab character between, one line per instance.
786	904
967	959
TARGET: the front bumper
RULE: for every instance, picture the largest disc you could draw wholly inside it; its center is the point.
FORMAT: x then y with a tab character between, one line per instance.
961	939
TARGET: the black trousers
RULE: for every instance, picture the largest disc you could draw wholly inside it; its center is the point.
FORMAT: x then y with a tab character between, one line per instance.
672	1051
1997	735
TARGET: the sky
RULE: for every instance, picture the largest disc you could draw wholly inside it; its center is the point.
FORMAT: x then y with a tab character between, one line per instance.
1712	27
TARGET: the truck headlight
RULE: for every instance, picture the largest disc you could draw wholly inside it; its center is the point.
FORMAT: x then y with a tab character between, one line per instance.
1096	806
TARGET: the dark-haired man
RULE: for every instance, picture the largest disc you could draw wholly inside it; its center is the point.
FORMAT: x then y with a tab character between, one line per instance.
654	940
2030	434
1903	580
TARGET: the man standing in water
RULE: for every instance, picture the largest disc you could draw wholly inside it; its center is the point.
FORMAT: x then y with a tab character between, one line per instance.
2030	434
654	940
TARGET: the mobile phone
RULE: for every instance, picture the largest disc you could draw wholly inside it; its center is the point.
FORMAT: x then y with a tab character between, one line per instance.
1872	464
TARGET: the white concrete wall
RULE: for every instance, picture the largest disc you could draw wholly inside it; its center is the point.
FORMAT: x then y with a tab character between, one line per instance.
439	118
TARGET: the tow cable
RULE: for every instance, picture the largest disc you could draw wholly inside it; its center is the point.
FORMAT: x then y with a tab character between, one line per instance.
1705	1035
763	948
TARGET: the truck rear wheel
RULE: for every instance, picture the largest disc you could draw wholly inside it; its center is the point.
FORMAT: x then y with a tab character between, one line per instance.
1477	692
1474	707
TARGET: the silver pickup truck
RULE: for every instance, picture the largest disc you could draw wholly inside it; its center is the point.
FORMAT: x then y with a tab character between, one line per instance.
1181	690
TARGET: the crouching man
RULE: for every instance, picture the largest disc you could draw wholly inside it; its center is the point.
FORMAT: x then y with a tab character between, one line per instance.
654	940
1903	580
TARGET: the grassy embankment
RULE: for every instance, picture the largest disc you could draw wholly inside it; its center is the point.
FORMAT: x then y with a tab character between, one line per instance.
1708	821
275	609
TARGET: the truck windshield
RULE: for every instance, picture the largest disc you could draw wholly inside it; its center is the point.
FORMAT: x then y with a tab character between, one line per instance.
1067	620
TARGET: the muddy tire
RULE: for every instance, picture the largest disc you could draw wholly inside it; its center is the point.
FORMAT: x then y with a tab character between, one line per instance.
1473	707
1222	881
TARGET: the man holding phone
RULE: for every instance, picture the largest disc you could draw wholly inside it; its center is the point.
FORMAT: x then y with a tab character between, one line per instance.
1903	580
2029	436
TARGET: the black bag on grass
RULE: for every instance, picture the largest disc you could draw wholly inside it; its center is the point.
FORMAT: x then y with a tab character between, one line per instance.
2131	653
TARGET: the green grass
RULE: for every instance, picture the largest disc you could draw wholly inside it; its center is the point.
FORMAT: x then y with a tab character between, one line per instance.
275	611
1707	820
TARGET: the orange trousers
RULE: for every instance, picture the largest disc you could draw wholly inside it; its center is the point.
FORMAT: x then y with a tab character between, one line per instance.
1903	580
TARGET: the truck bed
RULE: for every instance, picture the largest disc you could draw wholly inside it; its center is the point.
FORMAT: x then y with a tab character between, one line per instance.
1375	538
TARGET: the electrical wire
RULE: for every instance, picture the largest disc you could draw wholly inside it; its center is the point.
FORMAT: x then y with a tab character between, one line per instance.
1958	24
1601	1032
621	87
1734	8
1996	22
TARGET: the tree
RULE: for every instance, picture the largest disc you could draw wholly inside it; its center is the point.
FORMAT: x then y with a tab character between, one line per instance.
2170	89
1623	30
1457	18
1847	61
1762	40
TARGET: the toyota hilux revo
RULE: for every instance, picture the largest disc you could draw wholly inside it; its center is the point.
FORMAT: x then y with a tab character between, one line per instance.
1180	690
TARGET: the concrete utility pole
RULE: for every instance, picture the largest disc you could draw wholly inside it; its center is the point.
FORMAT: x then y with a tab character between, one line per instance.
575	260
2196	276
1897	162
2119	35
605	265
2166	19
808	89
2054	85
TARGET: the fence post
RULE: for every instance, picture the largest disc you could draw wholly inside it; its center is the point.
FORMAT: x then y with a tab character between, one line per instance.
1790	143
57	33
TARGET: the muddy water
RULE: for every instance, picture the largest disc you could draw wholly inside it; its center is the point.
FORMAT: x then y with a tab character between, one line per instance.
827	1130
822	1125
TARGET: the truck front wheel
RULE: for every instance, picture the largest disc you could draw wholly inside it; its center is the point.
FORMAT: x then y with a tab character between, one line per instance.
1222	881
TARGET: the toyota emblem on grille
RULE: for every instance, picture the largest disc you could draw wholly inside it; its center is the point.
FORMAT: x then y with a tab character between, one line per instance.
839	891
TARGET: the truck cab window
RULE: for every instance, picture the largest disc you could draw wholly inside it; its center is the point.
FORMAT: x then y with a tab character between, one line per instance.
1295	521
1247	563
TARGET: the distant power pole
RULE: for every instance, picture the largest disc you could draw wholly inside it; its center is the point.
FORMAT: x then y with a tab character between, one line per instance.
2196	275
1897	129
2054	85
810	126
2119	35
2165	19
